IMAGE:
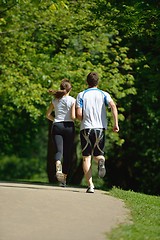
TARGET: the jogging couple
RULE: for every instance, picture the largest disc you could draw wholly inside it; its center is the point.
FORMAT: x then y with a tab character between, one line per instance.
90	108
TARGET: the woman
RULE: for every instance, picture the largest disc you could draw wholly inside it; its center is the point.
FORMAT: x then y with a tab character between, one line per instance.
63	128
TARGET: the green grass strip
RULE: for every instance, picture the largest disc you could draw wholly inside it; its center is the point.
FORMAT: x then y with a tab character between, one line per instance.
145	216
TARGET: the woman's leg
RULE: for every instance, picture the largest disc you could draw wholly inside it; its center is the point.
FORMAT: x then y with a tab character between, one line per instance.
68	146
58	142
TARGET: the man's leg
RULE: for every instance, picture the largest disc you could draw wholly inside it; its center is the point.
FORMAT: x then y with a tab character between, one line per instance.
98	151
87	169
101	165
97	158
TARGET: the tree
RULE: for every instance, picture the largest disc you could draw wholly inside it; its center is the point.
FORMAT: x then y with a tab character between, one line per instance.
53	40
139	158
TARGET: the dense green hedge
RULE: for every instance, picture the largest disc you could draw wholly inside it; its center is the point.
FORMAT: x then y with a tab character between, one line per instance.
14	168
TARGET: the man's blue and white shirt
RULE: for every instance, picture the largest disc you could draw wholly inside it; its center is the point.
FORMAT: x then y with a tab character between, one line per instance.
93	102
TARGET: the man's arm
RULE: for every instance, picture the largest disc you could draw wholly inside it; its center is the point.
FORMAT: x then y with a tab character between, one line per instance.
115	115
79	113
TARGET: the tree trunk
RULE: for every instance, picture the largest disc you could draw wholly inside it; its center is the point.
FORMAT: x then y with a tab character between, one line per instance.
78	174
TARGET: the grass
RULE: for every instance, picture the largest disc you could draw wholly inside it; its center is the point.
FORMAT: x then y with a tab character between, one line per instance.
145	216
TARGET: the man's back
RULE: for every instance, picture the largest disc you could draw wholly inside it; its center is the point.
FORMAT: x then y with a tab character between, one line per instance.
93	102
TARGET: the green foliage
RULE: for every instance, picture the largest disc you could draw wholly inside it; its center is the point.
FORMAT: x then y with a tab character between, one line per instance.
44	41
38	50
140	26
144	219
13	168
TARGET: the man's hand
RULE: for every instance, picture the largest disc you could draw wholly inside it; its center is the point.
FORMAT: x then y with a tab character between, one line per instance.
116	128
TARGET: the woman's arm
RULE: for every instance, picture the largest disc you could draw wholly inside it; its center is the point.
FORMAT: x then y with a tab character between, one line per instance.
49	112
73	112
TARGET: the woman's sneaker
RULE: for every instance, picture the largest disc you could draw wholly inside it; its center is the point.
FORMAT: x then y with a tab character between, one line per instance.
61	179
63	184
90	189
59	167
101	168
59	174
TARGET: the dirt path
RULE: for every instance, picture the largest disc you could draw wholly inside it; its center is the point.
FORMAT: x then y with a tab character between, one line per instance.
38	212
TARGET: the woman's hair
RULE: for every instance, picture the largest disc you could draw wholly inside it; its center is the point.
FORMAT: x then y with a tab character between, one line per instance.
92	79
65	87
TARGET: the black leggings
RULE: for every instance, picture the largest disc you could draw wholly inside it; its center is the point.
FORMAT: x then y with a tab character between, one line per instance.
63	138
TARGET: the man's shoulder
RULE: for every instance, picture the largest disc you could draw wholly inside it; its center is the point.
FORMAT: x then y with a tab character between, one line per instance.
105	92
81	93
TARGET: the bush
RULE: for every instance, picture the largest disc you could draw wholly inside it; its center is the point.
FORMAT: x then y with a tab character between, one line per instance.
14	168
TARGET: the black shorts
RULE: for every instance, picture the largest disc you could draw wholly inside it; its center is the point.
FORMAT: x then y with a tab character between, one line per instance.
92	141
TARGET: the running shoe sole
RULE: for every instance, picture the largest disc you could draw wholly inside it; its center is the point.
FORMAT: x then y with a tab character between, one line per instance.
63	184
101	168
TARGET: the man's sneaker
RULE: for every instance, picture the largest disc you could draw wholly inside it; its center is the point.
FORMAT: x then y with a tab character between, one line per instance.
90	189
101	168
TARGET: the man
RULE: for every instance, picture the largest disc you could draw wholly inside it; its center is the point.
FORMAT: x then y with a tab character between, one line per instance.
91	111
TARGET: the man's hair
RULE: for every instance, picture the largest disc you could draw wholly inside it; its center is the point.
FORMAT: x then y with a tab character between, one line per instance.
92	79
